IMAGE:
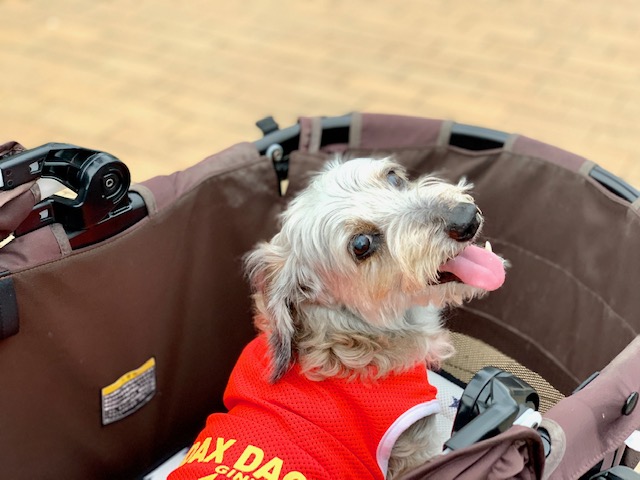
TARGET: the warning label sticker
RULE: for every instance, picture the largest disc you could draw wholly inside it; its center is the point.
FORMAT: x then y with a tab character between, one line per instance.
129	393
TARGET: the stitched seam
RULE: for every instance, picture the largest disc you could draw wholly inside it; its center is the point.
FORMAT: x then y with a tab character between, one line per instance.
568	274
508	327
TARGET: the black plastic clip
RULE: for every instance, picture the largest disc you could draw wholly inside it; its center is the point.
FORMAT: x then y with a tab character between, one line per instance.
279	144
267	125
490	404
281	165
276	153
103	205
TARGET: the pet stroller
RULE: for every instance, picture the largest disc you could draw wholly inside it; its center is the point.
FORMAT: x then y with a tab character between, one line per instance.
123	309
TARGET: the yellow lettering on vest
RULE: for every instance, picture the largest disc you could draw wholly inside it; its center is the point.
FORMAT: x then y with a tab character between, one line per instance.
240	476
294	476
213	476
201	452
191	451
221	469
230	474
221	447
270	470
250	459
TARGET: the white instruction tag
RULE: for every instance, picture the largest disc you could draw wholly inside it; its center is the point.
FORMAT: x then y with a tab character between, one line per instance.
129	393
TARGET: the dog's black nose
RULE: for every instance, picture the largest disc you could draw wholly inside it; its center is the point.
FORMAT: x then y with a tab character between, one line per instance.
463	222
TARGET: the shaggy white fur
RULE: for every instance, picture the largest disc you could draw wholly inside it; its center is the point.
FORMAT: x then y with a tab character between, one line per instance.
352	285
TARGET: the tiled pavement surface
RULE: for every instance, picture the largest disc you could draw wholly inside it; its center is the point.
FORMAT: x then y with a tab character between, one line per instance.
163	83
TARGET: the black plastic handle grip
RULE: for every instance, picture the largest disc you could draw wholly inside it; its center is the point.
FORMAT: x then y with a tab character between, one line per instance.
470	137
475	138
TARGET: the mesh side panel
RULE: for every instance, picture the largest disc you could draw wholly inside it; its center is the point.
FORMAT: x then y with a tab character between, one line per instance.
473	355
631	458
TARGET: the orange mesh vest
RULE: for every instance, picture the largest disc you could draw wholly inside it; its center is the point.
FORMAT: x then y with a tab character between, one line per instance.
298	429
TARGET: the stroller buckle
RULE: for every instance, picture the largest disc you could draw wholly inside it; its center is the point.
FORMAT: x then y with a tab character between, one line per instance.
492	402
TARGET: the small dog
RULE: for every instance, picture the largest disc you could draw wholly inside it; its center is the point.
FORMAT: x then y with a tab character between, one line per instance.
348	297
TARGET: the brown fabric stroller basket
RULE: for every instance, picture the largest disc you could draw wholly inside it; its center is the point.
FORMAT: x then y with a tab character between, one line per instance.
114	351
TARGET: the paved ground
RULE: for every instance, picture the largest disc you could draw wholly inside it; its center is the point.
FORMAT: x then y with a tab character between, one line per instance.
162	83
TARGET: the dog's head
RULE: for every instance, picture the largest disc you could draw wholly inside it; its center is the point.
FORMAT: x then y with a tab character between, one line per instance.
362	237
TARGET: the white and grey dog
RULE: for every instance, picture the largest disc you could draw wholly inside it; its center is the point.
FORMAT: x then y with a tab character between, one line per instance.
353	284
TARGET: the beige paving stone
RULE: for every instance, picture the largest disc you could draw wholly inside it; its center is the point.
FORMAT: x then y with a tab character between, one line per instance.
142	78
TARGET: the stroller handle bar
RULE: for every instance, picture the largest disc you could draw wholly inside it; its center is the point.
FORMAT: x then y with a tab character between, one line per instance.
277	144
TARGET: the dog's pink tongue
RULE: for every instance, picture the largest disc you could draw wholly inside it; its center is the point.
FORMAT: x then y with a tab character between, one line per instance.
477	267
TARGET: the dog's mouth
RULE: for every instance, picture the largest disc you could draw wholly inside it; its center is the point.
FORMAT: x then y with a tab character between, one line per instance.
476	267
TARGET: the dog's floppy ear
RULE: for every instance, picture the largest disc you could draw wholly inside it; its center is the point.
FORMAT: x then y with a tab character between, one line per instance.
274	278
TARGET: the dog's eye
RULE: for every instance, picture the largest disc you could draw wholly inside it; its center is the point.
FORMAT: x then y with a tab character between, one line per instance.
395	180
362	246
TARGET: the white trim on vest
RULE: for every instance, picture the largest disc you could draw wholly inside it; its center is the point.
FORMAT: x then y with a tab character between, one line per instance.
398	427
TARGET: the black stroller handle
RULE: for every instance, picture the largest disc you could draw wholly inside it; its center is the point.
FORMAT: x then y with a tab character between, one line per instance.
614	184
277	144
336	130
